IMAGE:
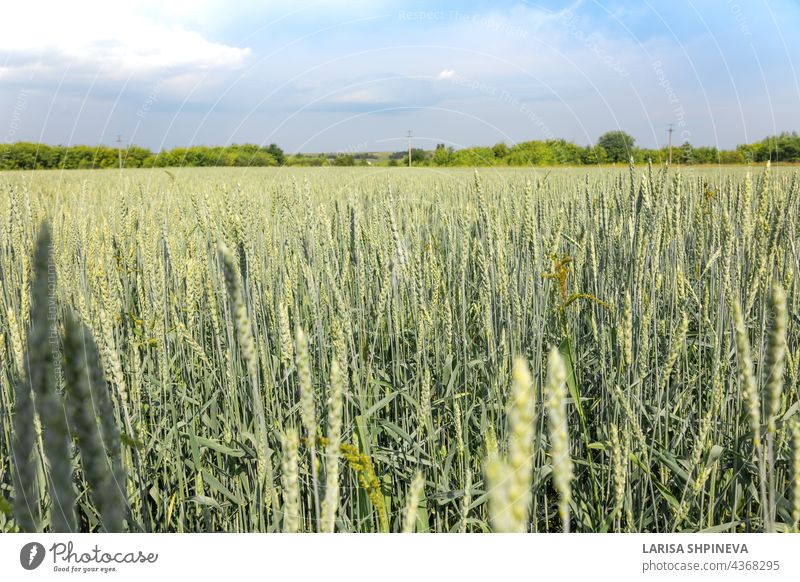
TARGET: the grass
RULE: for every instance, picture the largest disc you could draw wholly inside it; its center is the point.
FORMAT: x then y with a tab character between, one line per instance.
367	350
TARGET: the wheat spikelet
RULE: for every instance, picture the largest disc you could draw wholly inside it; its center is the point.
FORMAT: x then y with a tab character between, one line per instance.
412	502
753	403
746	372
287	346
26	493
675	351
26	290
520	445
491	443
776	354
291	483
775	361
424	411
626	331
458	427
510	480
17	342
308	408
109	428
559	436
81	409
111	358
331	502
466	501
620	469
42	355
498	476
308	413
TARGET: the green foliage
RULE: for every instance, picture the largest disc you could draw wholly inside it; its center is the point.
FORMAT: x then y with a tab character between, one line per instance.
472	157
418	156
29	156
500	151
780	148
277	153
344	160
442	155
618	145
611	147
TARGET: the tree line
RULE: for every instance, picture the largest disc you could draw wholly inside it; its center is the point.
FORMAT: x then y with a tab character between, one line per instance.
611	147
30	156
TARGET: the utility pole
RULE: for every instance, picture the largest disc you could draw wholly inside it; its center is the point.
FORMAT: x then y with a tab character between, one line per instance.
408	135
119	149
670	144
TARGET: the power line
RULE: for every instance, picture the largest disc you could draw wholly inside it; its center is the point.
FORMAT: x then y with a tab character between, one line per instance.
670	143
119	149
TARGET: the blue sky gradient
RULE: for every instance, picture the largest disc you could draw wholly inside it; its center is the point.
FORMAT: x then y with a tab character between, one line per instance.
355	76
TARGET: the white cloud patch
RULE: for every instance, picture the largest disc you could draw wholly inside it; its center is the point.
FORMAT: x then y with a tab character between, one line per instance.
446	74
113	42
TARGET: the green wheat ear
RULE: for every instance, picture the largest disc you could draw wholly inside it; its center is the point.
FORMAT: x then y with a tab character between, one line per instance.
40	376
108	420
26	493
86	399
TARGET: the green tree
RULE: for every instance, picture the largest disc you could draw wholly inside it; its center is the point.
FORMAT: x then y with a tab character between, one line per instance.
472	157
785	147
593	155
276	152
731	157
618	145
501	151
442	155
564	152
418	156
531	153
684	154
344	160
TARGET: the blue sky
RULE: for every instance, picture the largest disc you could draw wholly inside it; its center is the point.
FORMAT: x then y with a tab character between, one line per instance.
356	75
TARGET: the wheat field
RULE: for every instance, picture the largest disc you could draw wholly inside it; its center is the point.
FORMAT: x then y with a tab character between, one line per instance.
353	350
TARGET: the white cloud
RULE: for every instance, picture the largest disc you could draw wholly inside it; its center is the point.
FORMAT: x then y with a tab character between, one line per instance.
446	74
119	41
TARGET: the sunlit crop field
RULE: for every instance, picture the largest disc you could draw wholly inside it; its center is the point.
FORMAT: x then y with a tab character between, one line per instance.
358	350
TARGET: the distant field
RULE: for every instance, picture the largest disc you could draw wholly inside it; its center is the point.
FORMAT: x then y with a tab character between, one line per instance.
364	350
